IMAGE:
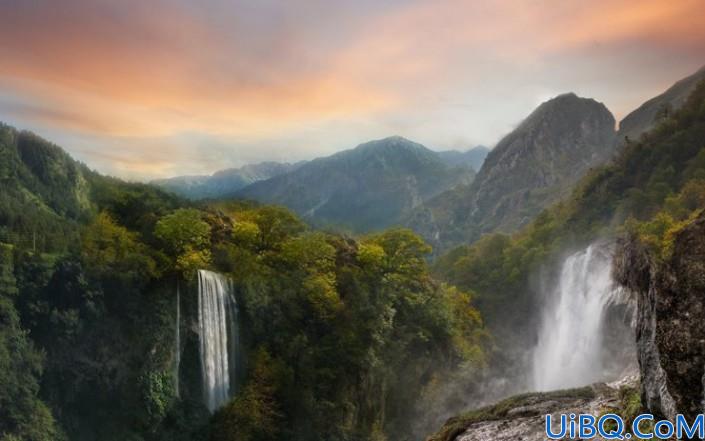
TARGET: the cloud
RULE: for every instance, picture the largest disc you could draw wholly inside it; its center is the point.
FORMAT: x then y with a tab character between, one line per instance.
145	89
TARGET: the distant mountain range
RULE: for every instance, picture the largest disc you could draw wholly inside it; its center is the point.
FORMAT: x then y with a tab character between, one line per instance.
395	181
366	188
224	182
472	158
88	265
537	164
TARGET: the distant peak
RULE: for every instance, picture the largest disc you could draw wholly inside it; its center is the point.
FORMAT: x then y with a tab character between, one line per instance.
394	138
571	97
569	100
390	141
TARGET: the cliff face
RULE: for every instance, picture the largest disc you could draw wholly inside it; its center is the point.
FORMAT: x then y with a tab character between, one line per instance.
534	164
670	320
529	169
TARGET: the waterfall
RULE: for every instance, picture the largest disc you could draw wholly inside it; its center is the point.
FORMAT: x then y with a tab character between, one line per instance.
216	319
178	340
570	348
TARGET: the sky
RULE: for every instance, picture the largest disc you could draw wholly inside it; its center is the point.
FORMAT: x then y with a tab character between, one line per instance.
149	89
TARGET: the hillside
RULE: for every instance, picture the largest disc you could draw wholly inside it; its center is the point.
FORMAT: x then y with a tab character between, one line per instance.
472	158
653	193
529	169
43	189
99	301
224	182
651	112
365	188
661	177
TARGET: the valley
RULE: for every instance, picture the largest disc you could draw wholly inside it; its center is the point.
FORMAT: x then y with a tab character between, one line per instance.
385	292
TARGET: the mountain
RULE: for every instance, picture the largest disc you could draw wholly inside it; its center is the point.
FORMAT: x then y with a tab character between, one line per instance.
109	291
43	189
223	182
365	188
647	205
46	194
472	158
648	114
530	168
42	173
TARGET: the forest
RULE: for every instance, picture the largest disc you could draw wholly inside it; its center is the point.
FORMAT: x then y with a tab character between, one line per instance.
343	338
345	220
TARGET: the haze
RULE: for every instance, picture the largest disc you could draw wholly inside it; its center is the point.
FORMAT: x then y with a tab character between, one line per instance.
173	87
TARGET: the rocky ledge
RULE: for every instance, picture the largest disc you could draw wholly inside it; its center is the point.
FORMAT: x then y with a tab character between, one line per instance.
670	291
522	418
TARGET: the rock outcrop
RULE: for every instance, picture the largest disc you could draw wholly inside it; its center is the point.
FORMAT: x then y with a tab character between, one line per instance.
670	319
529	169
523	417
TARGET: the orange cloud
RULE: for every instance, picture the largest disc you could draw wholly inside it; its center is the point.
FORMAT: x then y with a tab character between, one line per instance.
339	71
179	74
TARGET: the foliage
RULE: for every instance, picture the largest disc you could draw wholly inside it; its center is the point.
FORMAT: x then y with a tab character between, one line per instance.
187	237
658	233
342	337
158	394
360	326
22	415
628	407
253	415
110	247
657	180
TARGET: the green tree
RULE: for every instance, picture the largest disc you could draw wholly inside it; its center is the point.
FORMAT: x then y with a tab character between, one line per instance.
187	238
108	247
22	415
253	415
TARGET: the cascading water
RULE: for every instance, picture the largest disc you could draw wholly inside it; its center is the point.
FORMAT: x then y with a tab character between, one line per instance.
216	318
570	348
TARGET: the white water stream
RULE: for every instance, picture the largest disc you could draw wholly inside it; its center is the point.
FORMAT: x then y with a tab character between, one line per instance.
570	347
216	314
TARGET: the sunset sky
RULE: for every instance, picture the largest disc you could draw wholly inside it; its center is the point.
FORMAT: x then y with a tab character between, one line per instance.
144	89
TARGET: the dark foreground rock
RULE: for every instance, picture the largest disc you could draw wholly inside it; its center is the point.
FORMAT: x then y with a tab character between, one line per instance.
522	418
670	319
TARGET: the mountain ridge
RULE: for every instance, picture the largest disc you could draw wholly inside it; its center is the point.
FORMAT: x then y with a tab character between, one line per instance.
531	167
473	157
364	188
644	117
224	181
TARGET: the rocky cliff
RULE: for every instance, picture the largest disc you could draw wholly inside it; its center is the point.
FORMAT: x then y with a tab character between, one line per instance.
670	320
529	169
523	417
